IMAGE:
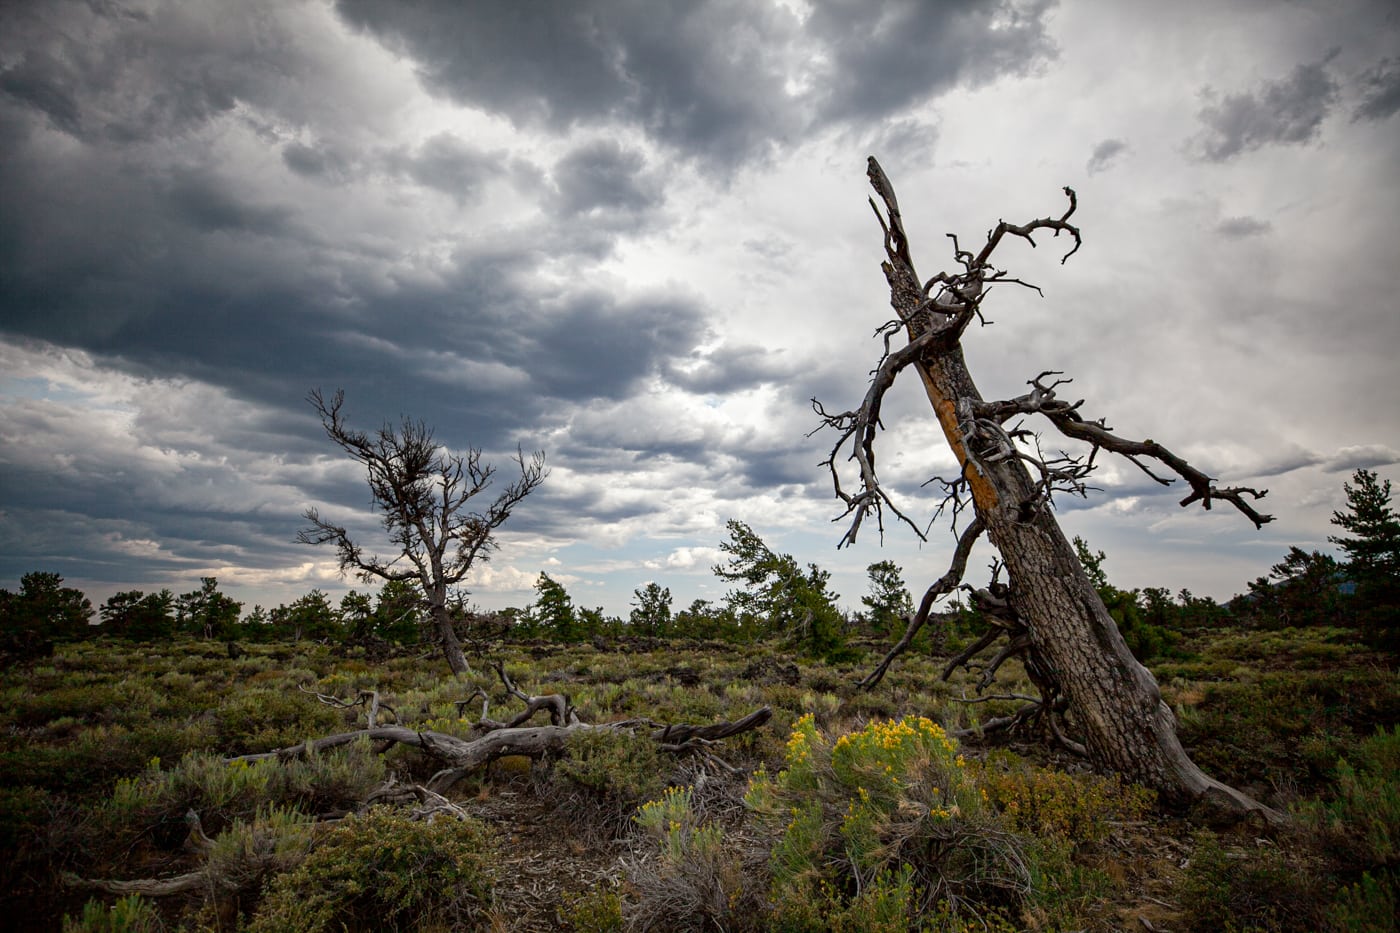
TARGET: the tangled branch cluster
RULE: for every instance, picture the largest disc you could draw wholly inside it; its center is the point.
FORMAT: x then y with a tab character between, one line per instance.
934	313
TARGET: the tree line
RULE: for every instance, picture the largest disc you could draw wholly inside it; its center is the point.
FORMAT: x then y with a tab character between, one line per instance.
774	597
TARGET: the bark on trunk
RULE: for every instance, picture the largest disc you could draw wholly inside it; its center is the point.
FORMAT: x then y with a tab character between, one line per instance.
451	644
1075	646
1126	726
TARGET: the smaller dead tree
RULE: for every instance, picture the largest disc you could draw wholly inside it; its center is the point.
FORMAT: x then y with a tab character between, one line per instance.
426	496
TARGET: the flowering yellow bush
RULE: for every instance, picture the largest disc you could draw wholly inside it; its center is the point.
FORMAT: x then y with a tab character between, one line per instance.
890	815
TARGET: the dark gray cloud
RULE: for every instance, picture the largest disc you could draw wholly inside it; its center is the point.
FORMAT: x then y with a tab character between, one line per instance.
720	80
603	176
701	77
450	165
729	369
1380	91
208	204
1104	155
1287	111
119	75
880	59
1238	228
1365	456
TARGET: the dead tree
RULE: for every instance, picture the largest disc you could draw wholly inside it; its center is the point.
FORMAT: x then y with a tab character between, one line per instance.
491	739
1095	697
426	496
458	756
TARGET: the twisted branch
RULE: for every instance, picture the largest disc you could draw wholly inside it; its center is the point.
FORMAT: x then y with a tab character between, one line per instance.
1065	417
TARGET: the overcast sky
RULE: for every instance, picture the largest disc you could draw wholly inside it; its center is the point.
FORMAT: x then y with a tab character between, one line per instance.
635	235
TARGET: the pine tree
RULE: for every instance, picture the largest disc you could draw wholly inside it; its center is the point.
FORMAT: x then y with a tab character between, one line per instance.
554	610
889	600
1373	549
1372	556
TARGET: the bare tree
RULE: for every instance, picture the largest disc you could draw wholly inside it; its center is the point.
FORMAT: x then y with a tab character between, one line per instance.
426	496
1095	698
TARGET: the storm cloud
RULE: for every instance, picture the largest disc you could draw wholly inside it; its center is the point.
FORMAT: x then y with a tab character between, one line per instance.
1289	110
635	235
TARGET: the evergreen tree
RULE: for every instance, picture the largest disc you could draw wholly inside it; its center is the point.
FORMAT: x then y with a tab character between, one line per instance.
703	619
357	616
777	595
139	616
889	600
257	625
594	622
1372	551
312	616
1373	548
399	614
651	610
44	609
207	613
1144	639
1302	589
554	610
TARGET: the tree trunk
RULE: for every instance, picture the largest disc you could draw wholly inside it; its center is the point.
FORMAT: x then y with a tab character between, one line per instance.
447	635
1127	727
1074	652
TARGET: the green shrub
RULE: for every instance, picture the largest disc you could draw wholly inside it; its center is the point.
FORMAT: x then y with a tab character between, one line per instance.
1360	825
595	911
260	720
1369	906
384	872
1241	891
894	802
616	772
130	914
249	853
1078	808
224	791
689	880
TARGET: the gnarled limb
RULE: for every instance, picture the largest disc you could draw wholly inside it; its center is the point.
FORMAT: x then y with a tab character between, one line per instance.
942	587
366	698
461	757
1067	420
859	428
561	712
150	887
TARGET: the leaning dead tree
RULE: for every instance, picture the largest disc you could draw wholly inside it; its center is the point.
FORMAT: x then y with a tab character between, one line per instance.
1095	697
426	496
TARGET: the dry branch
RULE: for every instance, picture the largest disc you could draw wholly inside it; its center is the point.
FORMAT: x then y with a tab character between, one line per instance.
942	587
1067	420
495	740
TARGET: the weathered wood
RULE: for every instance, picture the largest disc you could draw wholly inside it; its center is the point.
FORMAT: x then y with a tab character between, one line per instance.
1074	650
461	757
